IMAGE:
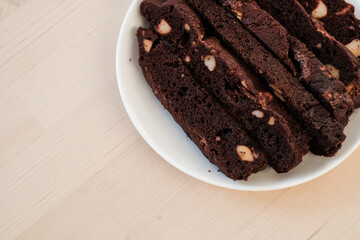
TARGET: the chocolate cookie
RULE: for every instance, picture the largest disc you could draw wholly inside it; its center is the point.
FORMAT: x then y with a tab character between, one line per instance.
339	60
218	136
236	88
312	73
339	20
327	132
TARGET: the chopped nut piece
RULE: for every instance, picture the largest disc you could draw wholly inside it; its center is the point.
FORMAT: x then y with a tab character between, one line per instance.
258	114
277	92
244	84
210	62
163	28
275	88
272	121
147	45
279	96
350	89
333	70
245	153
218	139
354	47
187	59
239	15
320	11
187	27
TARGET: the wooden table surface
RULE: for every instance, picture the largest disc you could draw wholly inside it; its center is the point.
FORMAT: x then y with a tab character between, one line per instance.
72	166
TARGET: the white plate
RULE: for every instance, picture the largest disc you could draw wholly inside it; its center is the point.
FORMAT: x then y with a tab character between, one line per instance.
161	132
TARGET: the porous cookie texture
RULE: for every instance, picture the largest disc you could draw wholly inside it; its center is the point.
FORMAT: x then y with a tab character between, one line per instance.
247	79
327	132
339	19
179	23
263	26
310	30
238	90
311	72
325	87
220	138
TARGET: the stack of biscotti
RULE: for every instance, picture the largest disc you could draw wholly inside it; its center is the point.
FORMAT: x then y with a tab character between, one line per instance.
218	136
263	79
313	74
338	18
328	49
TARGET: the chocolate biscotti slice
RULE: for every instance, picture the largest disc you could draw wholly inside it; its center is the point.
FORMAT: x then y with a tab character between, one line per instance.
217	135
245	98
339	20
263	26
340	61
162	26
315	76
312	73
237	89
328	133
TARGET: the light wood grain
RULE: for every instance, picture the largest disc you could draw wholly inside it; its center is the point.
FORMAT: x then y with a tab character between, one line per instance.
72	166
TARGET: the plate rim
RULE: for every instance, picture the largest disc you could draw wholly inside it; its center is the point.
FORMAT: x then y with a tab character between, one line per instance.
137	124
